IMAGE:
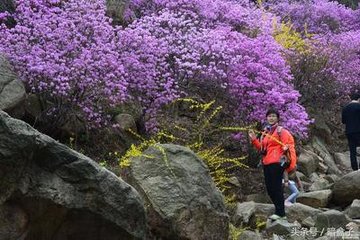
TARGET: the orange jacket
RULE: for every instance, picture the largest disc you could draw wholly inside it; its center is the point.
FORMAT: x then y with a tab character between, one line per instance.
274	149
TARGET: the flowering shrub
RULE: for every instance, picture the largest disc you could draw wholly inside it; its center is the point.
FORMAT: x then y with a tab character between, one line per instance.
342	51
290	39
66	50
145	59
197	137
257	77
218	56
240	14
314	16
325	70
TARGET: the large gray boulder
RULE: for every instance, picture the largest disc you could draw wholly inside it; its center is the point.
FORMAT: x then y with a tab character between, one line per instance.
249	235
343	159
347	189
13	221
316	199
319	148
322	129
258	198
243	213
281	227
12	90
354	210
320	184
331	219
299	212
307	162
61	194
182	199
247	213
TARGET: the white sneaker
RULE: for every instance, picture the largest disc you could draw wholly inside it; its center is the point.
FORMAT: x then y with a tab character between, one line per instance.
288	203
275	217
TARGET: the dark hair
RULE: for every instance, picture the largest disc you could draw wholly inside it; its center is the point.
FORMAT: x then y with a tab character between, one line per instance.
273	111
355	95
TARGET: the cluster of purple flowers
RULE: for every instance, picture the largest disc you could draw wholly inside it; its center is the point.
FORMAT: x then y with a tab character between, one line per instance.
332	33
228	45
315	16
69	50
66	50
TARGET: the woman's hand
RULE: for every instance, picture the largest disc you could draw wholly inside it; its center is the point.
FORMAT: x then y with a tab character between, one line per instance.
252	134
285	147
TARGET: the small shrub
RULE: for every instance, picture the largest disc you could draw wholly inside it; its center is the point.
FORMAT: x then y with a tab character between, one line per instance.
196	137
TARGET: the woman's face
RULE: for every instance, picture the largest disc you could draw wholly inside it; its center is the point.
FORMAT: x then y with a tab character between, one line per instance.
272	118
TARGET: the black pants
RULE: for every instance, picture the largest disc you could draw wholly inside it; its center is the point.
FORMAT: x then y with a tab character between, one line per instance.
354	141
273	174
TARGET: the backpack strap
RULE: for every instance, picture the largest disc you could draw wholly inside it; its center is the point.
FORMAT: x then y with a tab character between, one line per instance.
278	130
287	153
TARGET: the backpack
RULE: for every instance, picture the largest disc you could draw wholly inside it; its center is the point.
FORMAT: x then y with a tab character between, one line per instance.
289	158
289	161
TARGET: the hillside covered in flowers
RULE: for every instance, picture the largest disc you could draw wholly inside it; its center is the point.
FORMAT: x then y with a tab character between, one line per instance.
287	54
169	95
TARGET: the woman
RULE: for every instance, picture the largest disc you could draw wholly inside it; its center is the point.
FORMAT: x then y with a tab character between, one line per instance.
274	144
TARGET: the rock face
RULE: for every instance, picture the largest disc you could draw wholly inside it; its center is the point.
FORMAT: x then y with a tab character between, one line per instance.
60	194
343	159
13	221
12	90
331	218
315	199
354	210
249	235
183	202
307	162
347	188
115	9
321	150
299	212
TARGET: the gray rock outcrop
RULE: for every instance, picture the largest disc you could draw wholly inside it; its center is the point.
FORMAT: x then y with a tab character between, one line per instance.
354	209
347	189
182	200
53	192
315	199
331	219
319	147
12	90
